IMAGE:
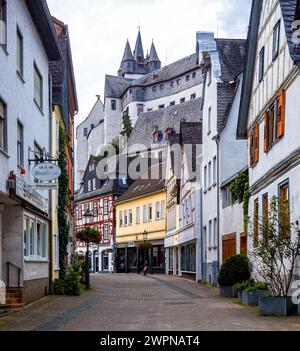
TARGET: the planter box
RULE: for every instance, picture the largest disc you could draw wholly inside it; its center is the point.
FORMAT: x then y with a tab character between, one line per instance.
240	297
252	298
228	291
276	306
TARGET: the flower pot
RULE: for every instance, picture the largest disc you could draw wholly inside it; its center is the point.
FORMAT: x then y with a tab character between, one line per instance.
251	298
228	291
276	306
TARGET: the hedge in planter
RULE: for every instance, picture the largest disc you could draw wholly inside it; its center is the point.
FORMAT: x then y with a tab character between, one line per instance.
235	269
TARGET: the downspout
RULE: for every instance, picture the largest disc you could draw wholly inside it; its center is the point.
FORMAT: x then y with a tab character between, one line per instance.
50	237
217	140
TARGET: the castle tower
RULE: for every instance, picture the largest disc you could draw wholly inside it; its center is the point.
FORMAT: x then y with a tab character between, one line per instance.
128	62
153	61
140	64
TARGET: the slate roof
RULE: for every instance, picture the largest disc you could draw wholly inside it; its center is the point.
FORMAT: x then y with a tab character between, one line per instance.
141	188
173	70
170	117
289	8
153	57
191	134
115	86
139	51
128	56
225	92
232	53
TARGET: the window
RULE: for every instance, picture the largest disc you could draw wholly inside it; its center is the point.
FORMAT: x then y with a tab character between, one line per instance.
284	216
265	209
276	40
150	214
35	239
182	100
94	184
193	96
261	70
161	87
145	214
205	178
172	84
194	74
113	105
178	81
20	64
92	126
254	146
3	23
138	215
79	212
274	121
89	185
105	207
3	139
227	198
209	175
161	107
256	221
85	132
209	122
210	237
215	171
157	211
163	210
38	153
130	218
154	89
125	218
95	209
188	78
172	103
140	109
105	232
121	219
38	88
215	232
20	144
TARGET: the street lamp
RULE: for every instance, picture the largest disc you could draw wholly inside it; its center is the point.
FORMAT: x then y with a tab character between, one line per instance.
88	217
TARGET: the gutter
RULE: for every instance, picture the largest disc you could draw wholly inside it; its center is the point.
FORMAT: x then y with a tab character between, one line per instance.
217	140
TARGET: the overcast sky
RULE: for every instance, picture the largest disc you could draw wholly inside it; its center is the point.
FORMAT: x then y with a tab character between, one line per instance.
99	30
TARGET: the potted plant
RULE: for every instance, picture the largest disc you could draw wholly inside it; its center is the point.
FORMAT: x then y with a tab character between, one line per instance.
235	269
253	293
275	252
240	288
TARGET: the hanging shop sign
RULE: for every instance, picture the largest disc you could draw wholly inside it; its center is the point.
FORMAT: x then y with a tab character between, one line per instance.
46	172
45	186
26	193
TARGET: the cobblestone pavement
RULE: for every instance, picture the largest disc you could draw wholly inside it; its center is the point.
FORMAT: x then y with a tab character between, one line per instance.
135	303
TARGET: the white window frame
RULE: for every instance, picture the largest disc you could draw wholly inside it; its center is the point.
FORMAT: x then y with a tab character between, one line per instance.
138	215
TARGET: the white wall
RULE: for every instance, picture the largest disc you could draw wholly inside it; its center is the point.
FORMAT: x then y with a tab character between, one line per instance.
113	120
19	95
82	152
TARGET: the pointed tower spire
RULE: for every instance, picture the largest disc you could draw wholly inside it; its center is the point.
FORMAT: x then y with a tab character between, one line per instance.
139	51
128	62
153	61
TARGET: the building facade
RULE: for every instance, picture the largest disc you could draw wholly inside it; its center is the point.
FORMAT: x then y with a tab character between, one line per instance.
223	60
25	114
141	227
183	239
269	105
94	208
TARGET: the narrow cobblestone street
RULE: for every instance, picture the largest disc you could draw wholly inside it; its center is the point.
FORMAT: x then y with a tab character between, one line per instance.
134	303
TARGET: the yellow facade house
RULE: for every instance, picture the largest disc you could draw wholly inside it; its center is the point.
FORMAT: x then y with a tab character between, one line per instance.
141	227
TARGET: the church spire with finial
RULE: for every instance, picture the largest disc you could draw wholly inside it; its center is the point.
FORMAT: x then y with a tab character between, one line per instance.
154	62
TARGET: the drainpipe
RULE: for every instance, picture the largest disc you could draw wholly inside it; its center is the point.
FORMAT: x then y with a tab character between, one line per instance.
50	231
217	140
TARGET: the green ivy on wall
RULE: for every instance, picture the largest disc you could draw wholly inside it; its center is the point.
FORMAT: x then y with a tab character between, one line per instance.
63	227
240	192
